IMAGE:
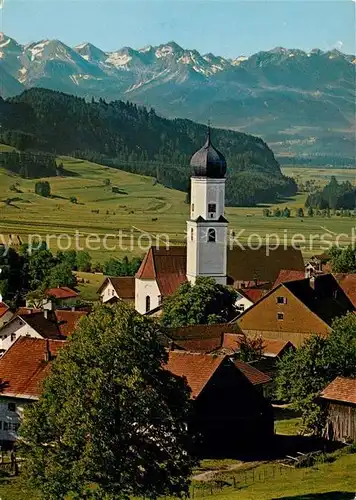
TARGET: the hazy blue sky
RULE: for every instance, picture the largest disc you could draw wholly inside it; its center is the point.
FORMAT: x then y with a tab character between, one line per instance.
227	28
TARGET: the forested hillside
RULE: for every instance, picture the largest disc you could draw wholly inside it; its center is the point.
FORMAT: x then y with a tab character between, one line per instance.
136	139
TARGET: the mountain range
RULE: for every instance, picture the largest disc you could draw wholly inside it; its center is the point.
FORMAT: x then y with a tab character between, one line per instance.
301	103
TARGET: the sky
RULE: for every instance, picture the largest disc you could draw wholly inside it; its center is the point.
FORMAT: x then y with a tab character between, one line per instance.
229	28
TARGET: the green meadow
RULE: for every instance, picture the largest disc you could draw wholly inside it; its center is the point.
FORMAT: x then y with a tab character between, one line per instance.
114	224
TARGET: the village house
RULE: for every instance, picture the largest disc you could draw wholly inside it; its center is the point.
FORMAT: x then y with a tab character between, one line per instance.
23	368
56	298
51	325
294	310
208	253
121	288
5	314
339	401
223	399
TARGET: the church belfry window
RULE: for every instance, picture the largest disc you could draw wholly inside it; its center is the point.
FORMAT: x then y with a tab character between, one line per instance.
212	210
211	235
148	303
192	234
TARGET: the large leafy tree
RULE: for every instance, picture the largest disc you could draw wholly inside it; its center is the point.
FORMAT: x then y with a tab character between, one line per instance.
304	373
111	422
202	303
61	275
343	260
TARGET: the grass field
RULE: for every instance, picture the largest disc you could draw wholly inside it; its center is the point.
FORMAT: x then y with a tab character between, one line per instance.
109	224
321	175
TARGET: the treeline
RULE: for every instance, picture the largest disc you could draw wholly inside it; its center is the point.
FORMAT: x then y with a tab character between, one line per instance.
133	138
334	196
31	270
30	165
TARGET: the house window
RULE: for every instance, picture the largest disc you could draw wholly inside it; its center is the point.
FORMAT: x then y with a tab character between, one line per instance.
281	300
112	293
0	425
280	316
6	426
13	337
192	234
11	407
211	235
148	303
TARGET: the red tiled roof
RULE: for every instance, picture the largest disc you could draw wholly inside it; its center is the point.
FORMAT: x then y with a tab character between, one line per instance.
67	320
196	368
270	347
254	376
62	293
286	275
25	311
23	367
253	294
195	332
348	283
167	266
200	345
274	347
341	389
232	341
3	309
46	327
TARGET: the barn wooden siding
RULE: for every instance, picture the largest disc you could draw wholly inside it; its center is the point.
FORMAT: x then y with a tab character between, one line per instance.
341	421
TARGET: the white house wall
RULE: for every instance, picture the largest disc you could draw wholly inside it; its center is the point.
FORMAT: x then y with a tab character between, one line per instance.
17	328
10	420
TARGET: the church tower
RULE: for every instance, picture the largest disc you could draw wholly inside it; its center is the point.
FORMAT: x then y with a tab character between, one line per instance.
207	227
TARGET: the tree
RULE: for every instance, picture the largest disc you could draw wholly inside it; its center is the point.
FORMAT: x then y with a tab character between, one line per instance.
250	349
130	436
83	261
286	212
266	212
202	303
304	373
69	257
310	212
300	212
43	188
343	260
40	262
277	212
61	275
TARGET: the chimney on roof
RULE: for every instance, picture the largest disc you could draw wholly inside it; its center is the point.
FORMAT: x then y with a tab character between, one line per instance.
48	355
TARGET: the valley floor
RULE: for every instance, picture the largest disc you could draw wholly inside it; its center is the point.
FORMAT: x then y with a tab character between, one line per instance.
110	224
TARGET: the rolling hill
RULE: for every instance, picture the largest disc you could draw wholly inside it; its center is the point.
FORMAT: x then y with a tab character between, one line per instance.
135	139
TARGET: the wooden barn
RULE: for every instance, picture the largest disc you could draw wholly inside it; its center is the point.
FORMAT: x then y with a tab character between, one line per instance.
339	400
230	413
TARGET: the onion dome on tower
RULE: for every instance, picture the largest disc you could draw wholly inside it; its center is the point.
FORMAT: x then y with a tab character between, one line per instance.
208	161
